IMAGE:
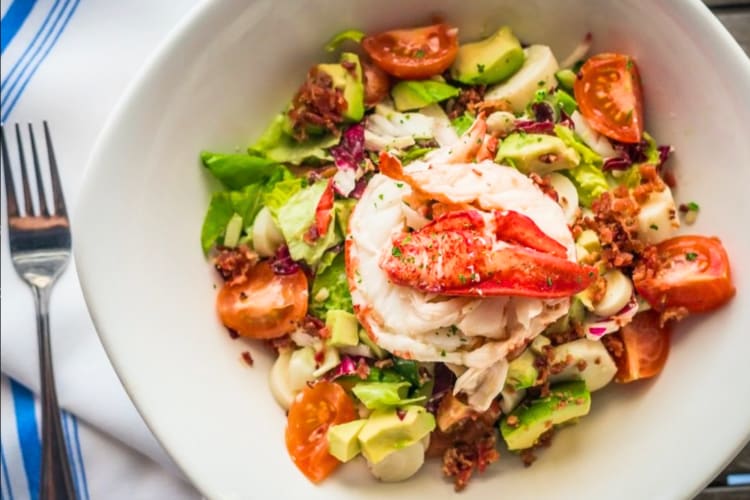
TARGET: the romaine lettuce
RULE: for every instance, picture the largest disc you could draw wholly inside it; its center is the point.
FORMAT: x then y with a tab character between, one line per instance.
569	138
589	180
330	289
383	395
296	217
277	146
246	203
236	171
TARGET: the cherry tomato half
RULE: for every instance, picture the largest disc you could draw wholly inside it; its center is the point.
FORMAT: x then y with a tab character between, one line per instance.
414	53
646	348
608	91
692	272
313	411
377	83
266	306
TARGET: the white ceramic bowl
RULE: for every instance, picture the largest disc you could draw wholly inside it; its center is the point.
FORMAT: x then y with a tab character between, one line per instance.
216	83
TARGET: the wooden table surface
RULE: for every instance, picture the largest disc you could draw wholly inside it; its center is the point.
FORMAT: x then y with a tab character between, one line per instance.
735	15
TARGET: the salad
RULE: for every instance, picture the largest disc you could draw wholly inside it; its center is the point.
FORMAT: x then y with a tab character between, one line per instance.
449	247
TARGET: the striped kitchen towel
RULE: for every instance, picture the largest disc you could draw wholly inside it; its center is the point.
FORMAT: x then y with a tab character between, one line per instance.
68	62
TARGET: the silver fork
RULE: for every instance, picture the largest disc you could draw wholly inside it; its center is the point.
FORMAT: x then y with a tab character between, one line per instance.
40	250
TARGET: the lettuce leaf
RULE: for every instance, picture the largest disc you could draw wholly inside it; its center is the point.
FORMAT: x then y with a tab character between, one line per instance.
343	209
330	289
295	218
236	171
339	38
277	146
246	203
278	195
384	395
462	123
589	180
570	139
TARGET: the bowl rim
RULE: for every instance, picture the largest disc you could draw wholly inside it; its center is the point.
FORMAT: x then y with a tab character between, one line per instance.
714	34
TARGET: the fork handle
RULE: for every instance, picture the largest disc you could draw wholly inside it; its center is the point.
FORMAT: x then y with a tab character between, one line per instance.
57	479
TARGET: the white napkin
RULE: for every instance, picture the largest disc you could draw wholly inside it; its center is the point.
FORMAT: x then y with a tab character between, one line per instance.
69	63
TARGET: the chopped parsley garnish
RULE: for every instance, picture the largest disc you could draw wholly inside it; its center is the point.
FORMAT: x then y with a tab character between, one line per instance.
419	54
693	206
442	353
654	227
380	196
691	256
462	278
629	65
549	281
396	252
480	68
399	184
540	83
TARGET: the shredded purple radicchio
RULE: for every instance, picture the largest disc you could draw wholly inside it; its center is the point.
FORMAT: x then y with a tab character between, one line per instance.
634	153
350	365
283	263
349	155
543	112
445	379
533	127
566	121
359	188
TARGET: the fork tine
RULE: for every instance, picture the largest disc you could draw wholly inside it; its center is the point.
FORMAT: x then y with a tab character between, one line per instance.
38	170
57	191
10	187
27	203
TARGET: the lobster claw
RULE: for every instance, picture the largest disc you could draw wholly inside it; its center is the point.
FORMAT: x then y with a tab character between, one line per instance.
458	254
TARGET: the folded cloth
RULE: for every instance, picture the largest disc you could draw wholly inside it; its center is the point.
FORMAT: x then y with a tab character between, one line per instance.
68	62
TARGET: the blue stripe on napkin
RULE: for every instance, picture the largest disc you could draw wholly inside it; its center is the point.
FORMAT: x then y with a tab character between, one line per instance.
6	476
28	435
12	21
81	465
30	66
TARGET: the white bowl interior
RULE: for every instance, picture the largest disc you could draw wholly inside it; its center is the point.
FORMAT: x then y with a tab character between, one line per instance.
216	84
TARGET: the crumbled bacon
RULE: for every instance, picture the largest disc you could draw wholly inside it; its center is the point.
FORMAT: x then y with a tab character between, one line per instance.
248	358
527	456
280	343
469	99
317	104
544	184
235	263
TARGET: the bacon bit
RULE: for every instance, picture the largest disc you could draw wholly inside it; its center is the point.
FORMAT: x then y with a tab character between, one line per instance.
469	99
311	235
672	314
248	358
401	414
545	440
581	365
384	363
512	421
279	344
314	326
318	104
614	345
233	334
320	356
233	264
363	369
460	460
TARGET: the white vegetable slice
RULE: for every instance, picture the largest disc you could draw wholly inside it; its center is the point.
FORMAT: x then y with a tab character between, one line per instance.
618	294
591	137
657	219
511	398
442	130
500	122
567	195
301	368
278	380
537	72
598	367
401	464
267	237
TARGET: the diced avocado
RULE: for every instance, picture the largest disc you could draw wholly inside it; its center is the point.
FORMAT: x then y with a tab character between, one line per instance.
343	327
350	83
378	351
522	428
577	312
408	94
491	60
566	78
575	316
343	442
389	430
539	153
589	240
521	372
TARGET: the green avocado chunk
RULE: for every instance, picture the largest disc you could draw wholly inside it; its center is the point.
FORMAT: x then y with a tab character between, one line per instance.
342	439
347	76
521	372
491	60
343	327
566	78
408	95
530	420
389	430
539	153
